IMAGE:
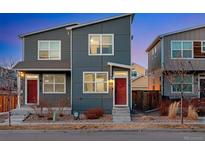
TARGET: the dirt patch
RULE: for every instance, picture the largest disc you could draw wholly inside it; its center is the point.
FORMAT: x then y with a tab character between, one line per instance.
3	117
66	118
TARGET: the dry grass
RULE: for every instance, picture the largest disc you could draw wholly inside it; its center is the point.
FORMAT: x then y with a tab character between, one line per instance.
147	118
192	114
100	127
173	110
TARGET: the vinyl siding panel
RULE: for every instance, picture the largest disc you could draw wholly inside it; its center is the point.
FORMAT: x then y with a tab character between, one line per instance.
154	60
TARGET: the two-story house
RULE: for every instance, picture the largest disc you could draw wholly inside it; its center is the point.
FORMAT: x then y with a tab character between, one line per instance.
89	64
180	51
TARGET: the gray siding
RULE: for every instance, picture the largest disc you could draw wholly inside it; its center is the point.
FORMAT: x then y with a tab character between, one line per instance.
31	44
197	34
154	61
82	62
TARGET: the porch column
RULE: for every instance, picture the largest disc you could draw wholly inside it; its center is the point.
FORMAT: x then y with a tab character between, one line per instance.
18	89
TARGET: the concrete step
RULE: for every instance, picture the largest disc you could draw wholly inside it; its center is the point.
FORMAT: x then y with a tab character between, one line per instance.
122	120
120	111
121	115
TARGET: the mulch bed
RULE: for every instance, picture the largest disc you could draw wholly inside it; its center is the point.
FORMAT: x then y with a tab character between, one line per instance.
33	118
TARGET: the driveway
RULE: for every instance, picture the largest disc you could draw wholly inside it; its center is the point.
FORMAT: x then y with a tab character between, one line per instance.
100	135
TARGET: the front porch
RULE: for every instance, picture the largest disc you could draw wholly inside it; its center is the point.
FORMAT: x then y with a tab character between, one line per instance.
37	88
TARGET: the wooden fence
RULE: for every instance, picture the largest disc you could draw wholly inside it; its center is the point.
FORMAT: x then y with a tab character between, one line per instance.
4	102
146	100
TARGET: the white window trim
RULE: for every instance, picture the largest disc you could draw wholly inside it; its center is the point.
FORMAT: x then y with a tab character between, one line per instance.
173	92
101	54
181	41
95	92
64	92
202	51
200	76
49	41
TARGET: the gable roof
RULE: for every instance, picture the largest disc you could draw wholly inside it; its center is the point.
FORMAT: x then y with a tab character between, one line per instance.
102	20
47	29
158	38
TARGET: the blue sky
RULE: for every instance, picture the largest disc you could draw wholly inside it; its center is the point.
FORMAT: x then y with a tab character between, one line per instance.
145	28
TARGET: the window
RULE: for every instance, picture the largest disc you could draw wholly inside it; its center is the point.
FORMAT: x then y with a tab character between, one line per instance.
54	83
154	50
177	85
101	44
95	82
49	50
134	74
203	46
182	49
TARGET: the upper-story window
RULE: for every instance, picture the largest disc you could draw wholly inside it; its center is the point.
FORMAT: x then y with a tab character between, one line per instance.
203	46
182	49
49	50
154	50
101	44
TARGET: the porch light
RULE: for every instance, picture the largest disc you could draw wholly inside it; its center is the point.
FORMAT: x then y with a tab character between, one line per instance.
111	81
21	74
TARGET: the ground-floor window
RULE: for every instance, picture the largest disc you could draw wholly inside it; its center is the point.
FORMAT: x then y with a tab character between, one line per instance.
95	82
54	83
187	85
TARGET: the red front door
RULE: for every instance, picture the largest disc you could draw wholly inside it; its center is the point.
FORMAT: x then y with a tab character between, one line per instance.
32	91
120	91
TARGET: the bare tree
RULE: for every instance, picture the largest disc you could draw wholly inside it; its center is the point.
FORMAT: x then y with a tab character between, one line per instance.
9	63
178	68
9	81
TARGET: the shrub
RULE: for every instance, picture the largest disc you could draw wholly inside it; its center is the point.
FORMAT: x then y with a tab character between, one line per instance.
61	105
192	114
173	110
94	113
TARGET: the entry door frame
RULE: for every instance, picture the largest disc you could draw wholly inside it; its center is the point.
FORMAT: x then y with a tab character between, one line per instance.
31	77
125	77
200	76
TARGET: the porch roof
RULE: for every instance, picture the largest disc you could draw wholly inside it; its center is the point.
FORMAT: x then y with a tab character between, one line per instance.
119	65
43	65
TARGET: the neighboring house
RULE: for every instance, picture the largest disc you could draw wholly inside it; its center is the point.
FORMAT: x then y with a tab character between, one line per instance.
139	77
89	64
187	47
8	80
